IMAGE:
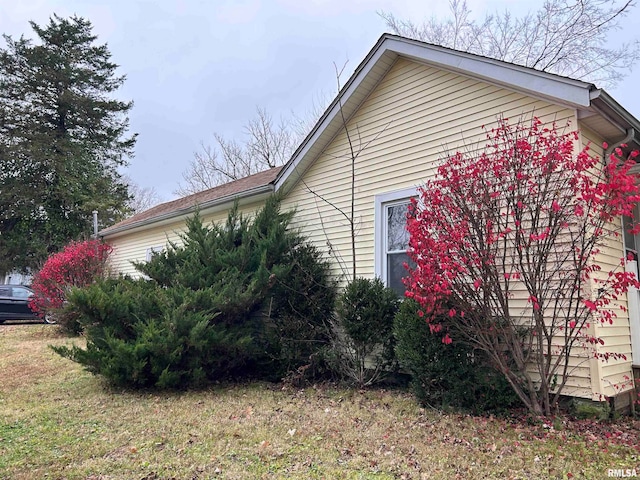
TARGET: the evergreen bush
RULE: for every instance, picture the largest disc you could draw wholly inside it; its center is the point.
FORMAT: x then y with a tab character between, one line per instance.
143	336
449	375
247	298
363	331
300	306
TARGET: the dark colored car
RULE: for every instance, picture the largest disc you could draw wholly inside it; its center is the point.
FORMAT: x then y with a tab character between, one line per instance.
14	303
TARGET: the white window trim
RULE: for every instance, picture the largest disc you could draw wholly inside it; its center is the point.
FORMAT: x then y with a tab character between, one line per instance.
380	264
633	300
154	249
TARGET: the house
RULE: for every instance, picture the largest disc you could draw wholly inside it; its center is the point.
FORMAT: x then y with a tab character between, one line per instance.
405	105
16	278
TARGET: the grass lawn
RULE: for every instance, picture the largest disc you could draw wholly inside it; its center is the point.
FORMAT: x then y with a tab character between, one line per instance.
57	421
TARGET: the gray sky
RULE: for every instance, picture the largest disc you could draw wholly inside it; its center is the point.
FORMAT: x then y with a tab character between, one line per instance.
195	67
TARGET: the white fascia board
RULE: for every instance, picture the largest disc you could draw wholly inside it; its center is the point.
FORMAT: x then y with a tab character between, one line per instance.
625	119
565	90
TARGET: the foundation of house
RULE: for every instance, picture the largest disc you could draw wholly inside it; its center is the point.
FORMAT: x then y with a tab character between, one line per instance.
623	403
634	397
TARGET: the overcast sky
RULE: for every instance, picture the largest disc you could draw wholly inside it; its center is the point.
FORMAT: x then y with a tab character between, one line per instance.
195	67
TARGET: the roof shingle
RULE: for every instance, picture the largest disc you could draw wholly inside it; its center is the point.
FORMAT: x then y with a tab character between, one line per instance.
189	203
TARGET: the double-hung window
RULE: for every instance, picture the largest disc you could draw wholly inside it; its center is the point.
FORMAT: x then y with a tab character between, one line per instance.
392	238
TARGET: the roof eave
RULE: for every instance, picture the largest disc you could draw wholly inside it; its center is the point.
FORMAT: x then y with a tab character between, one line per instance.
205	207
606	106
570	92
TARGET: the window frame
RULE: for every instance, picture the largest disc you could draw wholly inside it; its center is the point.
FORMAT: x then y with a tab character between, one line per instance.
380	225
152	250
633	295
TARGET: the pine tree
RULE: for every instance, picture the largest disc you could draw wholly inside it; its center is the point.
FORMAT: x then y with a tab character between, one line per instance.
62	138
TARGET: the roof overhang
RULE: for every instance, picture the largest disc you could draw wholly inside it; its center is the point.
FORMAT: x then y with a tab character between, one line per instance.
611	120
206	208
554	88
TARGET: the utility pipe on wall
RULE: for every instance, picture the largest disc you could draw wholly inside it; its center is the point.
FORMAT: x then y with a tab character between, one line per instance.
95	224
631	133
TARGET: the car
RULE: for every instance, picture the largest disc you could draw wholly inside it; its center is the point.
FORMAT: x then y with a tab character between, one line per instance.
14	304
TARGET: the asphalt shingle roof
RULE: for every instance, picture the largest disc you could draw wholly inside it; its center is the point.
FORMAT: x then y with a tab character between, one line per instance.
189	203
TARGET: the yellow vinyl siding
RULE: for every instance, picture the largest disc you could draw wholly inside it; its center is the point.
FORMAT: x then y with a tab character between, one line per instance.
415	115
132	246
613	374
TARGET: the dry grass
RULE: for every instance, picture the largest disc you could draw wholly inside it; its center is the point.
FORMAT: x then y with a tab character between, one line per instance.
57	421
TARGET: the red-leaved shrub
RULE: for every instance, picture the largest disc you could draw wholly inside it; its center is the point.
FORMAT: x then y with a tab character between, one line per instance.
506	243
77	265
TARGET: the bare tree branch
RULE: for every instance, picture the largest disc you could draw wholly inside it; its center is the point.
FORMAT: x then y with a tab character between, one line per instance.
142	198
565	37
302	125
266	144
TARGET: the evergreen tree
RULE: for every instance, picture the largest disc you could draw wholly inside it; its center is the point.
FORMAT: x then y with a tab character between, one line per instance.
62	138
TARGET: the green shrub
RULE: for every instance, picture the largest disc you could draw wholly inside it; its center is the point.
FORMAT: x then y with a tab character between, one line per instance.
300	306
141	335
442	375
363	331
587	409
248	298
